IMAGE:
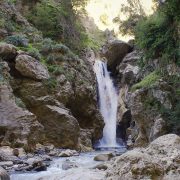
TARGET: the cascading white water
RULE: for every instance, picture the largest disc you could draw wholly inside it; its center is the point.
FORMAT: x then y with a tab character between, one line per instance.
108	101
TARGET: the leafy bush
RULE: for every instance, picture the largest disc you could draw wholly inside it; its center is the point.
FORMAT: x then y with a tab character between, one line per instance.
60	48
148	81
158	34
56	70
51	83
34	53
47	45
17	40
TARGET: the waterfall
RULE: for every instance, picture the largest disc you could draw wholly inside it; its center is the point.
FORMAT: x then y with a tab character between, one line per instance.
108	101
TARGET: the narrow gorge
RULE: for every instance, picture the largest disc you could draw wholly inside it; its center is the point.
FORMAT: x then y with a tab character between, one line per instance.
79	103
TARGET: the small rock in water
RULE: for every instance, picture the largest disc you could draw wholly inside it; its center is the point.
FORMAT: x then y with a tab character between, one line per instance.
68	165
103	157
101	167
34	160
6	163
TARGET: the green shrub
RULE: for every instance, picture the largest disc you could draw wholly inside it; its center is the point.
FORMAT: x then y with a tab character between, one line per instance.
17	40
158	34
50	83
60	48
148	81
56	70
34	53
45	17
47	45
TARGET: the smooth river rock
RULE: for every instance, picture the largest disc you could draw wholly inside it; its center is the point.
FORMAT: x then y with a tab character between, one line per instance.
103	157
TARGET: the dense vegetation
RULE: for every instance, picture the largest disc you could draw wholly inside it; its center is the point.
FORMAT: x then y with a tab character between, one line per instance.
157	36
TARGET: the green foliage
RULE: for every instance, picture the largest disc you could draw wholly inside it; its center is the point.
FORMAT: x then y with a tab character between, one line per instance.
147	82
17	40
50	83
56	70
134	12
45	17
158	34
60	48
34	53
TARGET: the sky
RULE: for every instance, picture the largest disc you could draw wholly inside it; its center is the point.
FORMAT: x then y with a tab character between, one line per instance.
111	8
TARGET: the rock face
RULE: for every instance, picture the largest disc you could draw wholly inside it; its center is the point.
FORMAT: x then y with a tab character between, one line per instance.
160	160
31	68
18	127
114	52
147	119
7	51
56	107
140	119
103	157
3	174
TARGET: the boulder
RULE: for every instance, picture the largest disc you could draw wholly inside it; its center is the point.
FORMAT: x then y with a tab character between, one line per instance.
61	128
68	153
101	167
114	52
128	69
3	174
68	165
160	160
31	68
7	51
36	164
6	163
18	127
103	157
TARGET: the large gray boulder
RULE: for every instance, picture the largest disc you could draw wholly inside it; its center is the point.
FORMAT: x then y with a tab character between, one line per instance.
31	68
160	160
18	126
114	52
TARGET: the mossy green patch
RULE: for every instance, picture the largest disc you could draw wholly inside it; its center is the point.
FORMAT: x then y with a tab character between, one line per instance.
148	81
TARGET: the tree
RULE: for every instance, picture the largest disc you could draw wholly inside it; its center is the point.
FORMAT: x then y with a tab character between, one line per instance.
134	13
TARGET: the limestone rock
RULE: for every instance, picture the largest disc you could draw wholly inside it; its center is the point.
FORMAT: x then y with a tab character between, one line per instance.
61	128
68	153
128	69
101	167
7	51
103	157
3	174
18	127
115	52
160	160
68	165
147	119
30	67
